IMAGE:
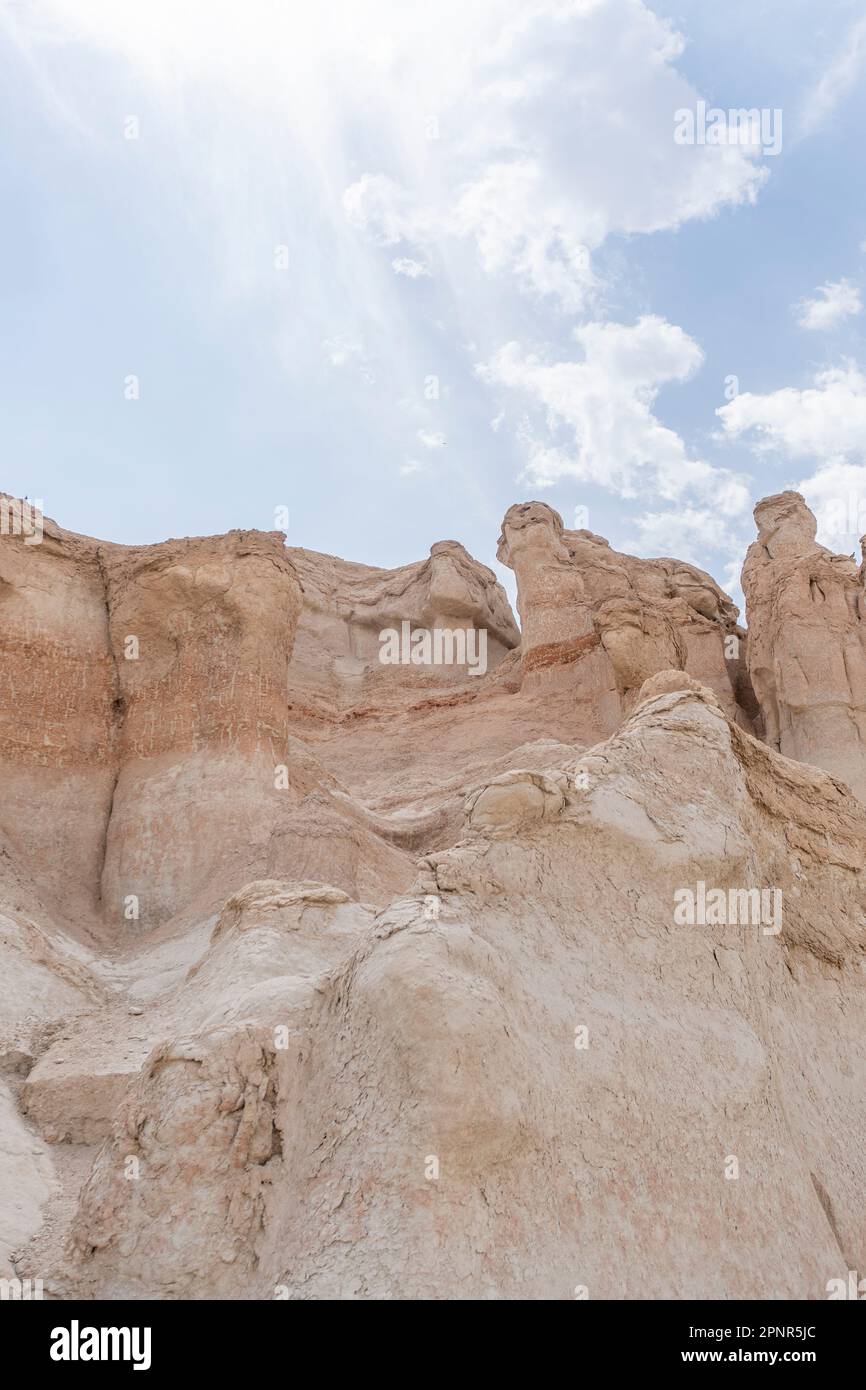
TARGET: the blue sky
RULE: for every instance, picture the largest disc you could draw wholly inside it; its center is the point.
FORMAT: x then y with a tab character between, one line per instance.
322	210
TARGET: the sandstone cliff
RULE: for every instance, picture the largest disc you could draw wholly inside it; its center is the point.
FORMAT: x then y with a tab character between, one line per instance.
327	977
600	623
807	644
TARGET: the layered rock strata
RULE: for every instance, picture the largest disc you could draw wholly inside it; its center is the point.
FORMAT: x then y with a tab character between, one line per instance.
540	981
601	623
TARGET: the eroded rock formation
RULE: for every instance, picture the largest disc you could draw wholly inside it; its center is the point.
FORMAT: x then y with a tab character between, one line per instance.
58	732
201	633
602	623
807	641
409	1008
337	664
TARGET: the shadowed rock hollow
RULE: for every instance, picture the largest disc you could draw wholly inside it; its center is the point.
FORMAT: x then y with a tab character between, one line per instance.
330	978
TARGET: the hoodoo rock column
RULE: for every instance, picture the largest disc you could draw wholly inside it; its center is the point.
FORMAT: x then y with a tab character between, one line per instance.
202	633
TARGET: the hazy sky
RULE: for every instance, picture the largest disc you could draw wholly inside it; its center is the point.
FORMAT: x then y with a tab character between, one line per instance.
396	265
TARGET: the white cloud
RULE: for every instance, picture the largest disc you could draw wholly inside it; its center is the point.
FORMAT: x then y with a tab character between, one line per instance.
411	466
404	265
518	230
837	81
838	301
603	405
689	533
377	205
555	132
825	421
513	138
342	349
432	439
686	534
546	464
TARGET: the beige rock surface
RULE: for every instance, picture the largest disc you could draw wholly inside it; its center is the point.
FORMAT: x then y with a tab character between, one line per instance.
807	647
411	1009
57	722
201	633
336	666
600	623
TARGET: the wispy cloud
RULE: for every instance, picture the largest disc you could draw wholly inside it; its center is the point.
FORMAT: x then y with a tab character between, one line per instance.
825	421
836	82
404	265
595	420
431	439
832	304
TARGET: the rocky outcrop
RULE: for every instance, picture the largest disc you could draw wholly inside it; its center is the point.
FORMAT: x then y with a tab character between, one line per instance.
710	1069
807	641
202	633
147	754
58	727
338	669
522	983
602	623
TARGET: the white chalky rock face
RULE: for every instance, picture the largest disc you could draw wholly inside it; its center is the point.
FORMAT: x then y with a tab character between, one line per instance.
412	1012
514	798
